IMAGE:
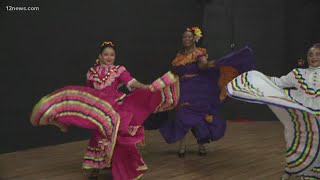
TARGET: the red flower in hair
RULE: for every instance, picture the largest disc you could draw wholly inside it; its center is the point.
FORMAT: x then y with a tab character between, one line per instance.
300	62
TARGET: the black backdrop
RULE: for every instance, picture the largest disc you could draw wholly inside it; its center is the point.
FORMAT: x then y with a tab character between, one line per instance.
280	32
54	47
45	50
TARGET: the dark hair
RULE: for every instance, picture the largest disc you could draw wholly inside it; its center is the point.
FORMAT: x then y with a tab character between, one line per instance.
188	30
317	45
301	63
105	45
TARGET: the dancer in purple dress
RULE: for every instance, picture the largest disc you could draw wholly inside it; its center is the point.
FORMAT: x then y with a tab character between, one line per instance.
202	91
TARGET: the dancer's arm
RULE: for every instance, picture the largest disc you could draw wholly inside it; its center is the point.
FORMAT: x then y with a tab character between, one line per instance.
131	82
287	81
134	84
203	63
89	84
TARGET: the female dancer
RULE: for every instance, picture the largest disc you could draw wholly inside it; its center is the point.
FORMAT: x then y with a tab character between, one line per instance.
115	118
202	91
295	99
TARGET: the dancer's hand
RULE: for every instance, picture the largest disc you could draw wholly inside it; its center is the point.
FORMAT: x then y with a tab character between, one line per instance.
211	64
138	85
205	64
146	86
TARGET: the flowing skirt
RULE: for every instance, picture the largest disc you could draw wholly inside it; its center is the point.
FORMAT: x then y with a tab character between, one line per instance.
301	124
201	96
116	127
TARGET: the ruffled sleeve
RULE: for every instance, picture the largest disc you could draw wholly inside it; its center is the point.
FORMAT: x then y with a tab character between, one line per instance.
184	59
127	79
201	52
287	81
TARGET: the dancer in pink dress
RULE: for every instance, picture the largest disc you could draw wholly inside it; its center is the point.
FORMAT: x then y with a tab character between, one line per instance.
114	118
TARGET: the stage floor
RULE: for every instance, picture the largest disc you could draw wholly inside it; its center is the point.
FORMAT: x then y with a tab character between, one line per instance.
249	151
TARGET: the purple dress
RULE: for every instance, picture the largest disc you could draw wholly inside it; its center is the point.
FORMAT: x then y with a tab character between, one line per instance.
200	90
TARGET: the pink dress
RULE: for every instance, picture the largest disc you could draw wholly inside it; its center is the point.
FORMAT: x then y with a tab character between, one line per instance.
114	118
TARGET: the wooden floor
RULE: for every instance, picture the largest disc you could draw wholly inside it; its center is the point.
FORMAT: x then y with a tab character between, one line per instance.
249	151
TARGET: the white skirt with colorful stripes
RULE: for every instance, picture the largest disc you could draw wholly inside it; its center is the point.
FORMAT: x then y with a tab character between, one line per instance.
301	124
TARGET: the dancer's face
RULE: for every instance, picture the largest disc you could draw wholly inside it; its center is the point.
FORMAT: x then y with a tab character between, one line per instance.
108	56
314	57
187	39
